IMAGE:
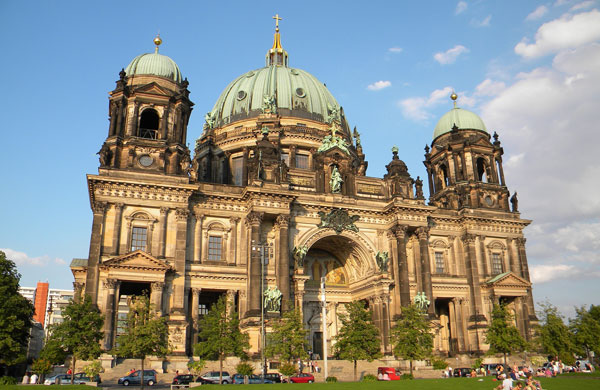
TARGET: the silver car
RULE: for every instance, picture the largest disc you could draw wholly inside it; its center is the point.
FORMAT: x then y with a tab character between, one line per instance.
213	376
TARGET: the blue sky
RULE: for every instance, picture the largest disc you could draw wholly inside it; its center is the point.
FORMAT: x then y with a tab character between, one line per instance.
530	69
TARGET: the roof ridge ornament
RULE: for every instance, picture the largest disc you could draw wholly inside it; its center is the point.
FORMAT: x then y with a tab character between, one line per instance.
157	41
454	96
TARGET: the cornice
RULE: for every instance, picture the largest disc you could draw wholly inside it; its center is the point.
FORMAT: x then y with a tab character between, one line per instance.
107	187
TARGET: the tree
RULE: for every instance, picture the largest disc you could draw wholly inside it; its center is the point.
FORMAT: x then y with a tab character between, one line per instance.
80	333
411	337
41	366
586	328
16	313
221	336
146	334
554	336
502	336
287	341
358	338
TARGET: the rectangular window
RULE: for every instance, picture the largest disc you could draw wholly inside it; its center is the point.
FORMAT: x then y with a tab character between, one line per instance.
496	264
215	248
139	238
302	161
439	262
237	165
285	157
202	309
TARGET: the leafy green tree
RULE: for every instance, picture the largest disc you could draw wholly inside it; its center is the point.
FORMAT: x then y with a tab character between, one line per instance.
287	340
16	313
42	367
80	333
221	336
52	350
555	337
196	366
411	337
146	334
586	329
502	336
358	338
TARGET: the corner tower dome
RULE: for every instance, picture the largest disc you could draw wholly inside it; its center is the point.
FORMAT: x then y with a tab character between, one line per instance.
459	117
154	64
296	92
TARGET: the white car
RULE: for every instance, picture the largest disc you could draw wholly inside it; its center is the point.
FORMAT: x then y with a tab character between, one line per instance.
213	376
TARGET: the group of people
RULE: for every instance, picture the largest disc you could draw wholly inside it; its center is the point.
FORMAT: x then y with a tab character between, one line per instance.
312	366
509	383
30	379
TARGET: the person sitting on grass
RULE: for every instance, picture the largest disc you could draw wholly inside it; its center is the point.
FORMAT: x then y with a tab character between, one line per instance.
506	384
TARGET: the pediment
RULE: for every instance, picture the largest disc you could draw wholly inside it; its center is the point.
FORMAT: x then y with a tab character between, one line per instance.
137	260
508	279
153	88
335	150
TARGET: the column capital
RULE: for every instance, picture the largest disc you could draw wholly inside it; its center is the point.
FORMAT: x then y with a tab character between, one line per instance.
199	216
164	210
99	207
110	284
182	214
78	286
158	286
196	290
283	221
254	218
423	233
400	231
521	241
234	220
468	238
119	206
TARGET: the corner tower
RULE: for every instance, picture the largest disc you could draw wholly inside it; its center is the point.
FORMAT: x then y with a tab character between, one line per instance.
149	112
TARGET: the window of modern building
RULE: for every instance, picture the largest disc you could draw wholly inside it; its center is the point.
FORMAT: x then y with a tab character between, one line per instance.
302	161
496	264
215	248
439	262
139	238
237	165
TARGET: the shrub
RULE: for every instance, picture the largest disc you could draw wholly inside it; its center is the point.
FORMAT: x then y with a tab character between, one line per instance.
369	378
7	380
478	362
287	369
331	379
196	366
438	364
407	376
244	368
91	370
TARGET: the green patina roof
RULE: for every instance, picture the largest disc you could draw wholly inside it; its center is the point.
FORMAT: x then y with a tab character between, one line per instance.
463	119
154	64
79	263
497	277
296	90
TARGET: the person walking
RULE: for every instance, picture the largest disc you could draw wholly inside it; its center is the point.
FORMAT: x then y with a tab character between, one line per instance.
34	379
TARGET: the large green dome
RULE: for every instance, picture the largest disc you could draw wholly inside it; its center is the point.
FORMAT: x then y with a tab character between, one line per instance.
298	94
461	118
154	64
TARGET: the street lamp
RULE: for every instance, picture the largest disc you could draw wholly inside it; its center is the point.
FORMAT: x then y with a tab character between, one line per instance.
264	250
324	323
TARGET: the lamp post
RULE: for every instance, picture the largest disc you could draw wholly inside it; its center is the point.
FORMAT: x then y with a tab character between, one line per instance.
324	323
263	249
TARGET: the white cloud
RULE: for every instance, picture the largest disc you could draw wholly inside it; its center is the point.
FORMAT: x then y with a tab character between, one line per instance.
450	55
538	13
489	87
582	5
415	108
547	273
381	84
461	7
569	31
395	49
22	259
482	23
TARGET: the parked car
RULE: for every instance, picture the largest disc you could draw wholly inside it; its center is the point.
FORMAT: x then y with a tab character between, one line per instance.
238	379
135	378
303	377
182	379
214	377
388	374
462	372
492	368
206	381
81	378
62	379
273	377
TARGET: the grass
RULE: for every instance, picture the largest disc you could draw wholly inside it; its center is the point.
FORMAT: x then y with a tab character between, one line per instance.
562	382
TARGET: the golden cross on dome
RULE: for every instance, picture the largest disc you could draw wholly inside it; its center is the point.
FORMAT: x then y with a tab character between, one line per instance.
277	19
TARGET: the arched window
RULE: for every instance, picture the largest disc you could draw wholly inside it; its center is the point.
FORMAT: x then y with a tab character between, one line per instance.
481	171
444	174
149	124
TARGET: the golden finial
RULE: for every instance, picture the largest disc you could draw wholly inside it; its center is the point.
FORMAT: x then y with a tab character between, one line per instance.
454	96
157	42
277	19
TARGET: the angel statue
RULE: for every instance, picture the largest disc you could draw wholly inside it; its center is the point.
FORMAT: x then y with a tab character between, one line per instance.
421	300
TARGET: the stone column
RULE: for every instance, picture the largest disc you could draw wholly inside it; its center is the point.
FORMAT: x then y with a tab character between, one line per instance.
460	325
198	237
385	312
484	261
430	177
395	305
91	282
254	220
400	233
231	302
156	297
525	274
181	216
109	312
195	311
476	320
78	288
283	262
117	228
423	235
233	222
164	212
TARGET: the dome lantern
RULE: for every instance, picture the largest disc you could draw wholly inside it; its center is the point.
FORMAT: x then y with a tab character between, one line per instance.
277	56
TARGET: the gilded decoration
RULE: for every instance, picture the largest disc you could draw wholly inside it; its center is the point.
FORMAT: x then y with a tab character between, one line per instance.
338	220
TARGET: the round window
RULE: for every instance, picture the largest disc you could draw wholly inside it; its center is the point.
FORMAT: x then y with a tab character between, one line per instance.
250	74
241	95
300	92
146	160
489	201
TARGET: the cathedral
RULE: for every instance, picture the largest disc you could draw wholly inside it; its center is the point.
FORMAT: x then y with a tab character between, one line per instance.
275	200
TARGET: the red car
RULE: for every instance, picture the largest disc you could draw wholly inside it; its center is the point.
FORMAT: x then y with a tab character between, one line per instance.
302	378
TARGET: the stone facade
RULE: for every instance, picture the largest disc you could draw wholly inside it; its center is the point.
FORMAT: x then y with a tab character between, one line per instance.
289	189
